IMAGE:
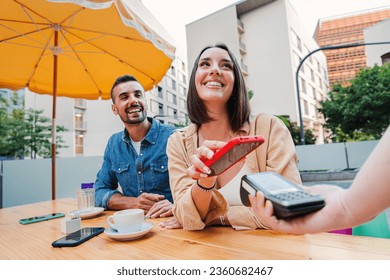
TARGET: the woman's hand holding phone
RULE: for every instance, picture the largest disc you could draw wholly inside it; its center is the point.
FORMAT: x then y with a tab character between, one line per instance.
214	157
199	169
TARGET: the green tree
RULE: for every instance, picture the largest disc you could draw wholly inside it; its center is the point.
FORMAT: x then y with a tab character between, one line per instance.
250	94
361	110
25	133
11	125
309	136
4	123
38	134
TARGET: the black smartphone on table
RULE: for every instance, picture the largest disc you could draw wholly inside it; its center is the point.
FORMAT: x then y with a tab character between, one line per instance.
233	151
78	237
288	199
26	221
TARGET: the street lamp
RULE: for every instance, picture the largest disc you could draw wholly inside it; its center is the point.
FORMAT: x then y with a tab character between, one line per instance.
302	134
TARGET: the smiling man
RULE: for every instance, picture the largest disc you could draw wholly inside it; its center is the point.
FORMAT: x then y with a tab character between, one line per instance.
134	173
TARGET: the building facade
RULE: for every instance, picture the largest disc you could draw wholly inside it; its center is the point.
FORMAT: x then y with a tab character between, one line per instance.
168	101
269	40
378	54
343	64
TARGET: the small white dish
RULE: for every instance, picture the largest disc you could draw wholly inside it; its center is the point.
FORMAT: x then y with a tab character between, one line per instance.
112	233
86	215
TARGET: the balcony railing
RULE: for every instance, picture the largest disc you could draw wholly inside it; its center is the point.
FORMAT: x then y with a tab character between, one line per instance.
242	48
240	26
244	68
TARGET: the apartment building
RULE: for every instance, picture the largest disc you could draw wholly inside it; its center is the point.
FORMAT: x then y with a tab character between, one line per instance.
269	39
343	64
378	54
168	101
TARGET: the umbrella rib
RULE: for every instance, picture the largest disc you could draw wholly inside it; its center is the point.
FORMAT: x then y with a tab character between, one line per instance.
25	10
36	64
22	35
112	55
82	63
43	17
112	34
71	17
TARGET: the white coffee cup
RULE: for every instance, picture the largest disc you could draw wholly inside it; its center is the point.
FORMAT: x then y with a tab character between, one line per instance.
126	221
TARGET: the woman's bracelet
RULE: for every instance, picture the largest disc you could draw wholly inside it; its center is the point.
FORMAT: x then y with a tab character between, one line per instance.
203	188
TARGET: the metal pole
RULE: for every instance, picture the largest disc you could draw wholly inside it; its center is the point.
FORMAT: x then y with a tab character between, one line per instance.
53	129
302	134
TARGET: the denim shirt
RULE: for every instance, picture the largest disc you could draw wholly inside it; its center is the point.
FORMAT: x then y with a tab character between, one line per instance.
135	173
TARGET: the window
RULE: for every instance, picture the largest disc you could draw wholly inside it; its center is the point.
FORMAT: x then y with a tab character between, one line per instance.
80	103
182	103
302	68
172	98
313	92
156	107
325	74
385	58
296	40
79	143
303	85
305	107
172	112
182	90
312	75
319	82
79	122
172	70
182	77
310	90
296	59
171	83
160	92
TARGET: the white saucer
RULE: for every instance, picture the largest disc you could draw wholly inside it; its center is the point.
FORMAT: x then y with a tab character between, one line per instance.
112	233
86	215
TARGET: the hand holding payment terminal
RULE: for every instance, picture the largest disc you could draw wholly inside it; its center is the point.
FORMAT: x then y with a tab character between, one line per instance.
288	199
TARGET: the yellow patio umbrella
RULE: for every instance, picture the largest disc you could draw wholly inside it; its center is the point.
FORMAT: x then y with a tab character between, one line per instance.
77	48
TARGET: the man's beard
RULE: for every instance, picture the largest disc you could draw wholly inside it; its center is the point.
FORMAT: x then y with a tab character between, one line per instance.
135	120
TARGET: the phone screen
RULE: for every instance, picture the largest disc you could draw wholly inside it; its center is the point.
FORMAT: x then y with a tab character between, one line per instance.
78	237
35	219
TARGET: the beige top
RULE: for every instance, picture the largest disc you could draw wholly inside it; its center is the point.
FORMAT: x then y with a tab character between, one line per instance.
231	191
277	154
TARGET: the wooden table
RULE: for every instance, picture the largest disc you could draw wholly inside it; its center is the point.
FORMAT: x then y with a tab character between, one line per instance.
33	241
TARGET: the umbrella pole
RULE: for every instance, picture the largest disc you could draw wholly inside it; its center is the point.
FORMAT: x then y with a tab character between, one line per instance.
53	129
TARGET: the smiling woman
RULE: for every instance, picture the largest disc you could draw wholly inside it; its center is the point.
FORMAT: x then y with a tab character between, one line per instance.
218	107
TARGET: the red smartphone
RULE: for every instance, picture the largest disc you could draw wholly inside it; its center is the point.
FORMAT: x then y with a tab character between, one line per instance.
234	150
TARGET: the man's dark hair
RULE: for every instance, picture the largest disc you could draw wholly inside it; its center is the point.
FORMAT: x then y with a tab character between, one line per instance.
238	104
122	79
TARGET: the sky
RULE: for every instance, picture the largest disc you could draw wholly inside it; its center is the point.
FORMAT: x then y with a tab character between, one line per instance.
173	15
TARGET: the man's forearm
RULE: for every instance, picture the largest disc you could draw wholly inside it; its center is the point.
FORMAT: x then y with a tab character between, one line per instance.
119	202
